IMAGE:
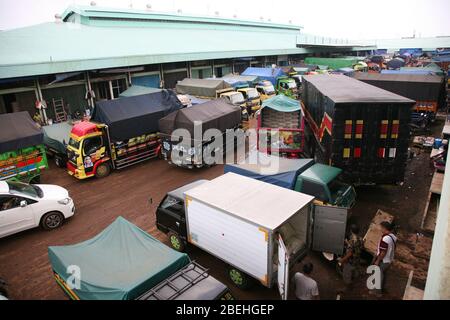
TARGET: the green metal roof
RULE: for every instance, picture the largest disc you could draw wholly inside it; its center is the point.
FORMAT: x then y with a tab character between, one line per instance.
321	173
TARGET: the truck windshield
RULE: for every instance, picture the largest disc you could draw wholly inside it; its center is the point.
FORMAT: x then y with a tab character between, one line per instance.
74	143
237	98
172	204
252	94
28	189
292	85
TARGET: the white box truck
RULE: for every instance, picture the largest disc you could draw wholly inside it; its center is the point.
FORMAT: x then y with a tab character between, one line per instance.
259	229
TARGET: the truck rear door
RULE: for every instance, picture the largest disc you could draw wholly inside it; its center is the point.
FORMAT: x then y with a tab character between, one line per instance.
283	269
329	225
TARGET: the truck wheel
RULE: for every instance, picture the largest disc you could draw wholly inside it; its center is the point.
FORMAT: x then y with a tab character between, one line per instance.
240	279
176	242
52	220
103	170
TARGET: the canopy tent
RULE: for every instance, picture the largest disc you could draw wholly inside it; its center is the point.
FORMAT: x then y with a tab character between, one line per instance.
134	116
281	103
201	87
17	131
214	114
279	171
135	90
270	74
57	135
240	80
120	263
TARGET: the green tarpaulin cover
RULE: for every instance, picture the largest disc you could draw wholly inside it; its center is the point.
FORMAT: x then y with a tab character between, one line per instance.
333	63
281	103
56	134
120	263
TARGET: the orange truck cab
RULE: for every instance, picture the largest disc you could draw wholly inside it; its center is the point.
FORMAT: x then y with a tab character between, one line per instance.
123	132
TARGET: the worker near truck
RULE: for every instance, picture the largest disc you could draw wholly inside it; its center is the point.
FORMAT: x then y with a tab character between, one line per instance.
385	252
306	287
351	261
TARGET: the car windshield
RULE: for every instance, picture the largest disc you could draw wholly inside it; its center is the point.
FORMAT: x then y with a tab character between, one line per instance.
237	98
269	89
74	143
24	188
253	94
337	189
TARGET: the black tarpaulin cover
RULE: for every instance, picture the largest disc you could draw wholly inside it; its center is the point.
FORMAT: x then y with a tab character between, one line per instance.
217	114
17	131
413	86
343	89
134	116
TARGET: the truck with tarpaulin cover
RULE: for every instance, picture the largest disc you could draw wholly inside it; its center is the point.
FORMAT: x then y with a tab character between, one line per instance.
281	127
215	114
357	127
427	90
56	137
22	152
212	89
124	262
282	83
121	133
259	229
322	182
238	81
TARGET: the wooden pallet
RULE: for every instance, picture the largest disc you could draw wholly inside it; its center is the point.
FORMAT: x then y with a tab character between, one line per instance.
374	233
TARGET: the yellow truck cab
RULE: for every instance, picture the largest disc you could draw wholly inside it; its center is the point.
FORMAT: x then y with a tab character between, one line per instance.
252	97
265	89
236	98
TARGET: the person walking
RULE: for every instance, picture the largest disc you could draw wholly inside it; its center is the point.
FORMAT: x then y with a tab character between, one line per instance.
385	252
306	287
351	261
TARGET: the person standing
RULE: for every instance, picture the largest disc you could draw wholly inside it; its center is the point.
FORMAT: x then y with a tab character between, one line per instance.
306	287
385	252
351	261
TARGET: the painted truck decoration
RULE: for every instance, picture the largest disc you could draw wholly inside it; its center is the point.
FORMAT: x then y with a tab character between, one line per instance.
22	153
231	217
123	133
357	127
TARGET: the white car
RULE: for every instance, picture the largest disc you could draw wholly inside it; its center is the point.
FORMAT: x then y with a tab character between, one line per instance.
25	206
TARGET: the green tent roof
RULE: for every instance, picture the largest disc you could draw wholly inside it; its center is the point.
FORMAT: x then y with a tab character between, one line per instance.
281	103
120	263
321	173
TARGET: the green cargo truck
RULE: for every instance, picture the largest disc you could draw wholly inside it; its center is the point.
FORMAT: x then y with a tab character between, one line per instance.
22	153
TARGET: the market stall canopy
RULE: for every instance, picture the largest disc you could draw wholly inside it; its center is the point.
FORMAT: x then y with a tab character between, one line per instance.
201	87
343	89
134	116
279	171
135	90
120	263
17	131
57	135
413	86
214	114
281	103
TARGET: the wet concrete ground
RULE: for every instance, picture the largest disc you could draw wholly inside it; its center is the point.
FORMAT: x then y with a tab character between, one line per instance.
25	266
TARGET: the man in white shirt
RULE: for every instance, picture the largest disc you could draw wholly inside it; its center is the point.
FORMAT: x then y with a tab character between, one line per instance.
306	287
386	250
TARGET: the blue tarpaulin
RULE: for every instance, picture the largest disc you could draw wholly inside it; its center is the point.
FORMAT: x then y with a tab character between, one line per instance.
270	74
274	170
418	72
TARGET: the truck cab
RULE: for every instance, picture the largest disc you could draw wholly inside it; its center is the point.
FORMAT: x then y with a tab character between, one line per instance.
265	89
88	151
323	182
235	98
252	98
287	86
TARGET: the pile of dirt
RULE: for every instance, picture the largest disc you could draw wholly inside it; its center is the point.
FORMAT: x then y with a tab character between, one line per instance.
413	253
